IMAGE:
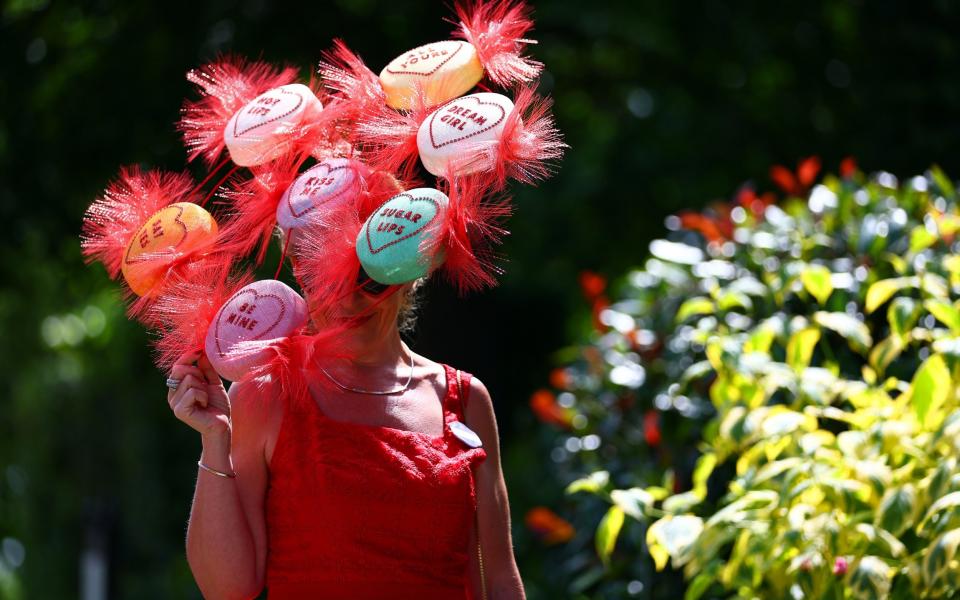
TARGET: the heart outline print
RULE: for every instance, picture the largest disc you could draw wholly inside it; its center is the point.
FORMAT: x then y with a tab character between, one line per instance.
433	138
253	103
436	213
256	296
148	256
434	69
341	189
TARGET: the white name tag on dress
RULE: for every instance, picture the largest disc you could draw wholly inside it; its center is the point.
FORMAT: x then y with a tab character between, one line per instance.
465	434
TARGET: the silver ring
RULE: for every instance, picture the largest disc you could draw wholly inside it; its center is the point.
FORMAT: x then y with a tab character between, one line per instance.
172	383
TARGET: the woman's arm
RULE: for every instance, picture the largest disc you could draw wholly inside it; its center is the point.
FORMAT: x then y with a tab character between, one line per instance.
500	567
226	534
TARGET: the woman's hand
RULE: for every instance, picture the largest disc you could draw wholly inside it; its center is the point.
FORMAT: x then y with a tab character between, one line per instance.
200	400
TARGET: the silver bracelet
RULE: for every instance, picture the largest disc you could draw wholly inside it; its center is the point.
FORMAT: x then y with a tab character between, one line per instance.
216	472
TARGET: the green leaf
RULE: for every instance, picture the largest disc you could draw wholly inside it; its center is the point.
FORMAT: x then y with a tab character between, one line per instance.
816	280
937	558
885	353
921	238
870	579
695	306
875	535
699	586
853	330
902	315
898	509
607	532
929	390
946	313
679	503
592	483
673	536
701	473
800	347
933	518
943	182
634	501
731	299
883	290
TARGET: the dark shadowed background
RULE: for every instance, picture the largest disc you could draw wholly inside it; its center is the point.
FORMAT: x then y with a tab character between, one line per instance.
666	105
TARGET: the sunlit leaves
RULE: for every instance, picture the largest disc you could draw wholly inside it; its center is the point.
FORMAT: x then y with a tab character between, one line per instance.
672	537
870	579
929	390
883	290
593	483
607	532
898	509
816	280
832	454
801	346
694	307
635	502
945	312
853	330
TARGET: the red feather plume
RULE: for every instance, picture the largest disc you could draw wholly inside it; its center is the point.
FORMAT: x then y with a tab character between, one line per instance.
471	228
114	218
189	304
253	212
325	260
351	81
528	141
497	29
225	86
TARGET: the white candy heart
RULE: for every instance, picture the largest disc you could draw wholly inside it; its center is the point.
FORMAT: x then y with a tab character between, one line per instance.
451	130
254	135
325	183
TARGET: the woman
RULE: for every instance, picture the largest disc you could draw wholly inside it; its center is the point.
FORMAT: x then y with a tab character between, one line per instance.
358	489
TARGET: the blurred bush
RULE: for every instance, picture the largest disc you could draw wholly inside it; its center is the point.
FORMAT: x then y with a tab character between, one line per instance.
770	404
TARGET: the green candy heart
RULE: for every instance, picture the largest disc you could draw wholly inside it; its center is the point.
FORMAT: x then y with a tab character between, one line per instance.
390	244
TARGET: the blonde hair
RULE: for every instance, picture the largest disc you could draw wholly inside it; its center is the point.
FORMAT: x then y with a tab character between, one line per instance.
407	315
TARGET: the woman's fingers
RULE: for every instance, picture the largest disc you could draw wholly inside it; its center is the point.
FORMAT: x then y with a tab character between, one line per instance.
187	405
180	371
189	382
211	375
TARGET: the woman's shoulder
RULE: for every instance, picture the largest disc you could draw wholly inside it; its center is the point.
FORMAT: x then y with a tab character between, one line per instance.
256	411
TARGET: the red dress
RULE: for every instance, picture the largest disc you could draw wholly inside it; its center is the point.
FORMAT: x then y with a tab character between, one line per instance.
361	511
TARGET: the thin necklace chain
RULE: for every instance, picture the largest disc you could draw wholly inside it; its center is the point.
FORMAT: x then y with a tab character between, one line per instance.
399	390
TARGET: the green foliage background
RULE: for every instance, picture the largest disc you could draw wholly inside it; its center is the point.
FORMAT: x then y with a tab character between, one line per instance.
665	105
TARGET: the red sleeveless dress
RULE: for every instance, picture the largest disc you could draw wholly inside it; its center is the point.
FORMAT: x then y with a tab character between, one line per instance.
361	511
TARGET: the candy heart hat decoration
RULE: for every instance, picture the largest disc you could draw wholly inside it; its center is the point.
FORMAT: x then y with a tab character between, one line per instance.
294	141
263	129
450	132
171	232
442	70
492	43
225	86
144	226
393	243
485	134
324	186
258	315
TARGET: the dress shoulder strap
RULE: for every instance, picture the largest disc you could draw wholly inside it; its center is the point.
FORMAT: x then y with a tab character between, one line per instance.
458	390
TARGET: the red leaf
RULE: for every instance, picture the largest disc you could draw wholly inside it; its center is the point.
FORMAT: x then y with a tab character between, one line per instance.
807	170
848	166
651	428
544	405
548	526
784	179
592	284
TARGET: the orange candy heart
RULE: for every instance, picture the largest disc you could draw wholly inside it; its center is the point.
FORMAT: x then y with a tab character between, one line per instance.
167	235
